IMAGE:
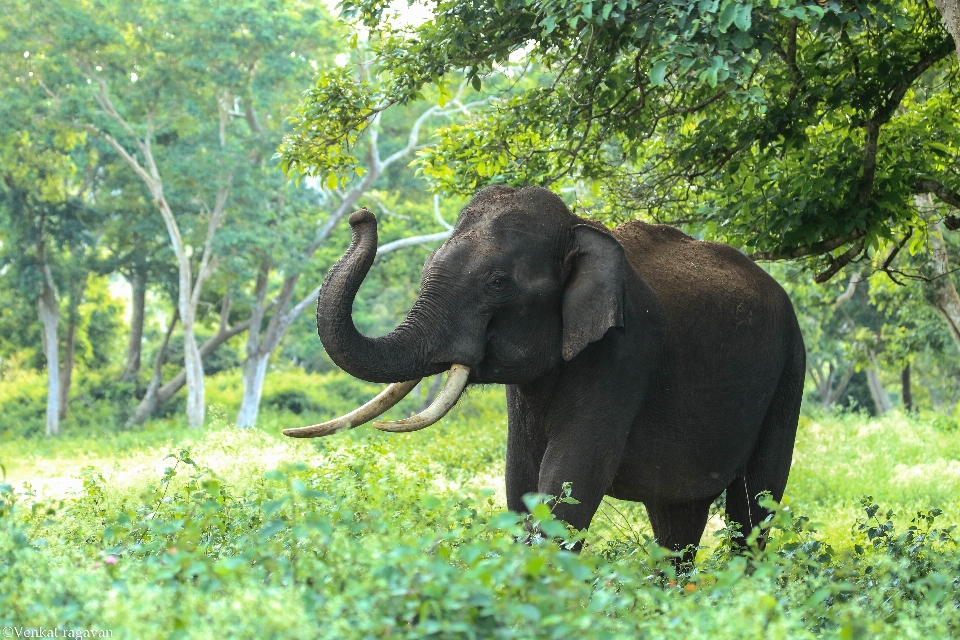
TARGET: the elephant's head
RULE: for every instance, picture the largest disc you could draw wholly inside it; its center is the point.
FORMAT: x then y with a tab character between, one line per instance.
521	285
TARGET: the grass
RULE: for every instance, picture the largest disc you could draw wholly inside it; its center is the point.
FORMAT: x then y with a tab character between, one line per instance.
364	534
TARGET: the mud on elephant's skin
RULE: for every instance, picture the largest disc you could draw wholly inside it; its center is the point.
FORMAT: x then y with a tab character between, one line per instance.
639	363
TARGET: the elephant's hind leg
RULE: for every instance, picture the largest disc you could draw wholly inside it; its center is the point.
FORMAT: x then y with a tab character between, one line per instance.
678	526
768	467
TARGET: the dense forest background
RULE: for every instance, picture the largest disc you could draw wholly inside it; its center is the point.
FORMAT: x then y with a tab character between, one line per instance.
175	178
153	236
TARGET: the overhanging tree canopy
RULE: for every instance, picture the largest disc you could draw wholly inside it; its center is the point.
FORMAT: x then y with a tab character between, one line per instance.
789	128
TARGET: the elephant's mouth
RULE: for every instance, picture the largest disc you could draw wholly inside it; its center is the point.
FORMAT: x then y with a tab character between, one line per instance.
457	378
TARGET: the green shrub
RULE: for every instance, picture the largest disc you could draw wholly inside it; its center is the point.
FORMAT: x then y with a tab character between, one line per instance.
367	535
945	424
348	550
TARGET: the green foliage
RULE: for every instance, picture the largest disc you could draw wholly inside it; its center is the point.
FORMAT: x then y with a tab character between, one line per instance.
753	122
374	535
99	404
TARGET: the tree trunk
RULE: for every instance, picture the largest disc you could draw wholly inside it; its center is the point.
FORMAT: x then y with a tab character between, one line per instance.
254	374
149	402
950	11
945	297
138	285
50	318
255	369
836	393
828	391
193	367
66	369
163	393
77	290
905	391
880	398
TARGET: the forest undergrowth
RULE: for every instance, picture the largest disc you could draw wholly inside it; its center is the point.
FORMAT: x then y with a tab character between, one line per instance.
364	534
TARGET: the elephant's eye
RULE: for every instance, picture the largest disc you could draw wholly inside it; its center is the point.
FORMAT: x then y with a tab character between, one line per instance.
499	283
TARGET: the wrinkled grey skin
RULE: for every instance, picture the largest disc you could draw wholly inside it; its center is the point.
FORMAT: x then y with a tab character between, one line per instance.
638	363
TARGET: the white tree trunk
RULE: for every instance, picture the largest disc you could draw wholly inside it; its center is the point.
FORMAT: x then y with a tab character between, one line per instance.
189	291
193	364
254	375
880	398
255	368
945	297
138	286
50	318
950	11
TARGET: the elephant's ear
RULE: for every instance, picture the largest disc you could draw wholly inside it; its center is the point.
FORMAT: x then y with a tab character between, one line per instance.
593	297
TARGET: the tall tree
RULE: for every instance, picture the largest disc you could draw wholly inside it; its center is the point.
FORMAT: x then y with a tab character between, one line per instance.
795	129
172	88
46	172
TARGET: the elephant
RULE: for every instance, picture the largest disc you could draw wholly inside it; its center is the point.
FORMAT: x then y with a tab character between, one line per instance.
639	362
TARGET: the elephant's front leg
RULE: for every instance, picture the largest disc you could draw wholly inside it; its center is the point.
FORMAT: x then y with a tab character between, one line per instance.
549	444
581	418
526	444
587	424
590	465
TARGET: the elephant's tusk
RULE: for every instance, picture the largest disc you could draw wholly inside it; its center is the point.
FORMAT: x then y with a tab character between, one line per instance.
456	382
373	409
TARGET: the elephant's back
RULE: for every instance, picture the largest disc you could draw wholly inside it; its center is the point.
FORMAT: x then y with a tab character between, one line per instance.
692	277
730	327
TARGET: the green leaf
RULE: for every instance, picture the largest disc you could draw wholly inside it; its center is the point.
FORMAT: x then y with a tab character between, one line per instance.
541	512
940	149
727	15
272	527
553	528
658	72
549	24
476	83
743	18
742	40
710	75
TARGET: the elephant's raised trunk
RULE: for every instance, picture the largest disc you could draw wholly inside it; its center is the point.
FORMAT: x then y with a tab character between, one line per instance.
400	357
395	357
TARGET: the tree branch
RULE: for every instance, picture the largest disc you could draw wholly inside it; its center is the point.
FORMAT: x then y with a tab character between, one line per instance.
855	279
869	162
411	241
839	262
411	139
815	249
206	261
944	193
895	97
436	212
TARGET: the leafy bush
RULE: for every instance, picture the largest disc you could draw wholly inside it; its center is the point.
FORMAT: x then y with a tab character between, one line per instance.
99	403
944	424
292	400
358	546
370	535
